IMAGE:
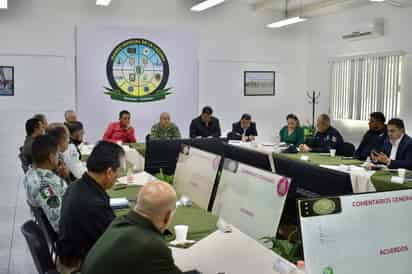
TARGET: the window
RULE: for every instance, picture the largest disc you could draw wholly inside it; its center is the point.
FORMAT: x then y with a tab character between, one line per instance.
364	84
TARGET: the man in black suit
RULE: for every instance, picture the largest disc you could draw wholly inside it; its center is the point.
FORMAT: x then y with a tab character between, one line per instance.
244	130
205	125
397	147
374	137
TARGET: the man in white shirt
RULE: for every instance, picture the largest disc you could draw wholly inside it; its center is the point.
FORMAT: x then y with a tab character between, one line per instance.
397	147
72	156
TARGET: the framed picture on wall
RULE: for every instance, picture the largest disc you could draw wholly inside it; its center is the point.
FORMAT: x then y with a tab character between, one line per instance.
259	83
6	81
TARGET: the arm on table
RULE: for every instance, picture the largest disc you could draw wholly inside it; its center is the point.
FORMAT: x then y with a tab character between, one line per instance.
131	136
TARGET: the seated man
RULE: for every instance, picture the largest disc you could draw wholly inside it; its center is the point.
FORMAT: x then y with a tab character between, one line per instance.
34	128
165	129
205	125
120	131
374	137
244	130
86	211
135	241
43	187
326	138
60	132
397	147
72	156
70	116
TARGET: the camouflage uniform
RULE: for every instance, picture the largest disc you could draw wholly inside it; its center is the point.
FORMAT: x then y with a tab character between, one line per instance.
158	132
45	189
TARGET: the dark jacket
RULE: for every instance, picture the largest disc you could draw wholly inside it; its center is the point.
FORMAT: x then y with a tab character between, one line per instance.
372	140
84	217
238	131
131	244
323	142
199	129
403	155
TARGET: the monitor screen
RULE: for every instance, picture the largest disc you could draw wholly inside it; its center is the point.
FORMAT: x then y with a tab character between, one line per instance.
251	199
195	175
367	233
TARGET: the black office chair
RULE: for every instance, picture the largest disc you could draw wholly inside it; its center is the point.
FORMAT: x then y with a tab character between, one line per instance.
45	226
348	149
38	248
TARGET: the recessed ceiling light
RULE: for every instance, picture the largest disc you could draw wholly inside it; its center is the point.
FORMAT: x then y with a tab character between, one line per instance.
206	4
103	2
3	4
287	21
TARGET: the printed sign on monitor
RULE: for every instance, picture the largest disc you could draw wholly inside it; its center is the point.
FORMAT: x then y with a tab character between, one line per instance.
195	174
368	233
251	199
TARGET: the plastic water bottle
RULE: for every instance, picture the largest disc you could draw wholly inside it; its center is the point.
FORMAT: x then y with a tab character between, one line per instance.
130	177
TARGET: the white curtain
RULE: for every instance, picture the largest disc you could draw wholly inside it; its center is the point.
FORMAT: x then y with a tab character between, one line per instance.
364	84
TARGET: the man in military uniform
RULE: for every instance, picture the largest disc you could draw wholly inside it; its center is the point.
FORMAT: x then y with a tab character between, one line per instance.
134	242
44	188
165	129
326	138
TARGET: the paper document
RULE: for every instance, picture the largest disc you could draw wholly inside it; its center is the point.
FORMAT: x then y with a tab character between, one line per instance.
251	199
368	233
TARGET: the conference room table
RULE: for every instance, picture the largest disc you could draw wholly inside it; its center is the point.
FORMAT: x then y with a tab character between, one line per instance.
214	251
201	223
362	180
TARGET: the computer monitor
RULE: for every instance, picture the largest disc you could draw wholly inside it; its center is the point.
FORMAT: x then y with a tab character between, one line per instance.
363	233
251	199
309	181
163	154
195	175
247	156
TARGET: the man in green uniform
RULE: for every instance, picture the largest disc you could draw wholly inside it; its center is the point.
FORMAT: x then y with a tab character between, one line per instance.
43	187
165	129
134	243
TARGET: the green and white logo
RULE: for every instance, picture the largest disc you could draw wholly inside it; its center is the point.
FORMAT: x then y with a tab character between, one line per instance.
328	270
138	71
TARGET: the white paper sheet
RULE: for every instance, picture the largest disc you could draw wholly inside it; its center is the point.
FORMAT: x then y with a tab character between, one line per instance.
370	234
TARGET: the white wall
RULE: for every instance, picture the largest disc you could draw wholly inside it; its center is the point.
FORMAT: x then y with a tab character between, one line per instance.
325	42
46	29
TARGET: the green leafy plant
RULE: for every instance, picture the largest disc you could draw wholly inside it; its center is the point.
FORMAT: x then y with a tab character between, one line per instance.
288	249
164	177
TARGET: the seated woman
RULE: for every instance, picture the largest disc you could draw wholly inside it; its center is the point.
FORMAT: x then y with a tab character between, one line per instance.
292	134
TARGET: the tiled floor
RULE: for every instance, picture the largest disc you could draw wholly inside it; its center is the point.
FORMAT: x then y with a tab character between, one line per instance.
15	257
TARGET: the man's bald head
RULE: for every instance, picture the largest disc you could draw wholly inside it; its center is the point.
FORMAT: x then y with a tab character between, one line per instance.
165	119
157	201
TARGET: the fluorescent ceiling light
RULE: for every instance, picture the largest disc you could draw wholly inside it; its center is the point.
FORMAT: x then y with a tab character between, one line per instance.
3	4
287	21
102	2
206	4
377	0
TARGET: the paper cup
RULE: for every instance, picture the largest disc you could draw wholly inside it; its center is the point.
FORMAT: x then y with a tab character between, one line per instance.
332	152
181	233
401	172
